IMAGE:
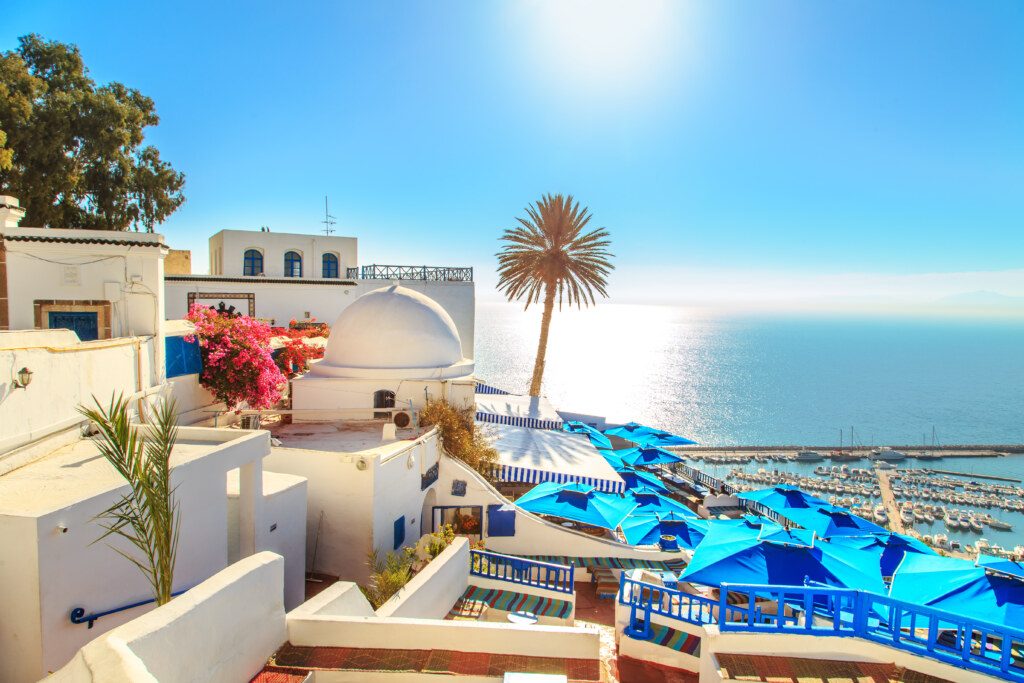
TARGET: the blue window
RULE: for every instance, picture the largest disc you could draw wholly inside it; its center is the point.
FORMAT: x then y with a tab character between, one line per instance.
399	532
252	262
501	520
292	264
181	357
330	265
84	323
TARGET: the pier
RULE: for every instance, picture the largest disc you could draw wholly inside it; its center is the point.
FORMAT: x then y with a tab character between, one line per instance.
892	510
972	475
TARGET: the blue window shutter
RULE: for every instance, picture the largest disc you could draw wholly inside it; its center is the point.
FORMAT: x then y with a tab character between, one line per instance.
399	532
501	520
181	357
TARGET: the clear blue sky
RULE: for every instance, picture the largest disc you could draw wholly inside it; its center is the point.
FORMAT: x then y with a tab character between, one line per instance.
780	139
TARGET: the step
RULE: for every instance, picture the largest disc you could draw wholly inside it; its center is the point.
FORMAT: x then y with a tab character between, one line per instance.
440	662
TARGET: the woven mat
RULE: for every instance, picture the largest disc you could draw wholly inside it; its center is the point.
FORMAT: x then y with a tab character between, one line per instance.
800	670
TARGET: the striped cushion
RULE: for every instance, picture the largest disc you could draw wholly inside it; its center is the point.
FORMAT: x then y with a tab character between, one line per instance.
680	641
510	601
674	566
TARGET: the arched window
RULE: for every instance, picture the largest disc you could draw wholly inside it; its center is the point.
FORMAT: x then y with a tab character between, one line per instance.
383	399
292	264
252	262
330	265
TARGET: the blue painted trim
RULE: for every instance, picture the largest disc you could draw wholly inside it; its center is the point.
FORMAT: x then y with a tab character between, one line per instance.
516	421
78	615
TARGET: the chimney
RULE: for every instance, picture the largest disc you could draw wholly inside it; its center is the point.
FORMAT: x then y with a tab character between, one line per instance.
11	212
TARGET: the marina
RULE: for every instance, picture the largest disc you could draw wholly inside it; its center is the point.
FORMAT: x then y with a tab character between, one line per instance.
980	505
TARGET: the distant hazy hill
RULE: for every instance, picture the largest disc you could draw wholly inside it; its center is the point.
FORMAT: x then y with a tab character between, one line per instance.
982	299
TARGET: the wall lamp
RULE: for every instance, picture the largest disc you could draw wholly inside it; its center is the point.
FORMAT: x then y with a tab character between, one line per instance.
24	378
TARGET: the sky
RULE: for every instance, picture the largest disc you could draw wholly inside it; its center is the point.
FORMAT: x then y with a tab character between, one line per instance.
780	153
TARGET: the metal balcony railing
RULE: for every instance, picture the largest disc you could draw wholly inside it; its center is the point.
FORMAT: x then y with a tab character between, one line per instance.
428	273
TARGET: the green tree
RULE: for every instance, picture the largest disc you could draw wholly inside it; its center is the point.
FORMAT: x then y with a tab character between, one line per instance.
77	152
548	256
147	516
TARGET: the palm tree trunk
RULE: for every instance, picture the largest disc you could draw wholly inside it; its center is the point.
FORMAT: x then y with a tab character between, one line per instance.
542	345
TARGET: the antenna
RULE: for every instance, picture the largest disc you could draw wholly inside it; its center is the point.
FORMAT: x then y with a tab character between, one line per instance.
328	220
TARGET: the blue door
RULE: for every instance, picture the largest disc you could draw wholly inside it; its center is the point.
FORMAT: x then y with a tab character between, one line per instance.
84	323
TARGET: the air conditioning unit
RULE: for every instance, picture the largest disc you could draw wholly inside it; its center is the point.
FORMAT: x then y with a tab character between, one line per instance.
402	419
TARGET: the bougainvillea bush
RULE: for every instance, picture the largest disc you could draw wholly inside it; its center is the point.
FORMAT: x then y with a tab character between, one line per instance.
294	355
237	362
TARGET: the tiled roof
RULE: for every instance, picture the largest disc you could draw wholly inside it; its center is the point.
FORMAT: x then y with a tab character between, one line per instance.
79	240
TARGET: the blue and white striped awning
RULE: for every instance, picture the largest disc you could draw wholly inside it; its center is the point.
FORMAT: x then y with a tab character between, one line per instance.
516	421
533	456
526	475
482	388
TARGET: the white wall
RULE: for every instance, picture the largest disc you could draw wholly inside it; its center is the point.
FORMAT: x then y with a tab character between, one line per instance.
230	246
432	634
40	270
281	528
359	506
66	373
222	630
434	590
323	299
325	396
53	572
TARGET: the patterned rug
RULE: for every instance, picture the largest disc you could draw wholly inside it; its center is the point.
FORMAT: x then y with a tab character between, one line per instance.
449	662
797	670
511	601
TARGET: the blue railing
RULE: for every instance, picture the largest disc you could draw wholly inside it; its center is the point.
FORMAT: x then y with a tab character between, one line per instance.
78	615
811	610
433	273
555	577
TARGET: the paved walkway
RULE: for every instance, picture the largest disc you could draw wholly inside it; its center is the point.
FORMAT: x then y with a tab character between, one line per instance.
889	501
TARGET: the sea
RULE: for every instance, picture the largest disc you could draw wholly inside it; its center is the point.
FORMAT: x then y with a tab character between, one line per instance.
727	379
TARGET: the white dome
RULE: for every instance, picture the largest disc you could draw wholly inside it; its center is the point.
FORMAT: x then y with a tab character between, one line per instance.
393	329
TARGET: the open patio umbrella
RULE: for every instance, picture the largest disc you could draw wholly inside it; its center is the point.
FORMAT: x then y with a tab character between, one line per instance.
636	479
829	520
1001	565
782	498
778	557
888	547
959	587
650	501
646	455
648	436
577	502
647	529
598	439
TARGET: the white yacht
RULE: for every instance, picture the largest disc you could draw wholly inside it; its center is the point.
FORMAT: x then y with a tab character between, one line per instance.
809	456
887	454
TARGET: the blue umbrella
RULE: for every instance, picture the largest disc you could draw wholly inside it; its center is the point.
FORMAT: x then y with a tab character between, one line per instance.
648	436
646	455
1001	565
648	529
777	557
959	587
577	502
636	479
649	501
598	439
829	520
888	548
782	498
612	457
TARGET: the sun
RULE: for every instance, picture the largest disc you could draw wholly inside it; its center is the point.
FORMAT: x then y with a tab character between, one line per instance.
601	45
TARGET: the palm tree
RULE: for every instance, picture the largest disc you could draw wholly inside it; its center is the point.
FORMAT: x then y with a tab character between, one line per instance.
549	255
146	516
